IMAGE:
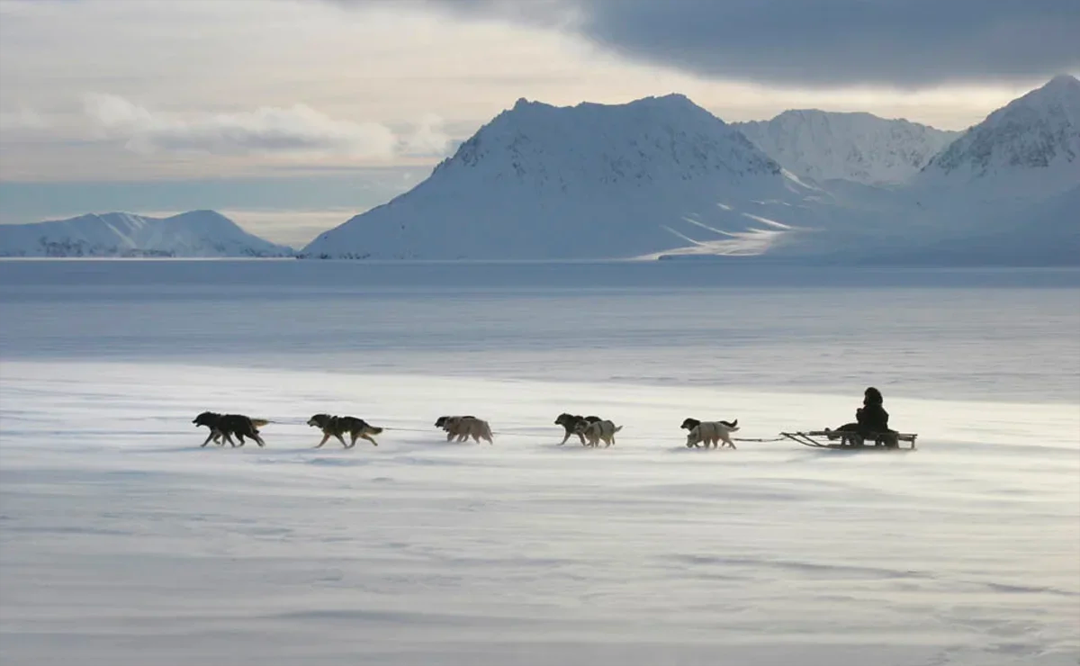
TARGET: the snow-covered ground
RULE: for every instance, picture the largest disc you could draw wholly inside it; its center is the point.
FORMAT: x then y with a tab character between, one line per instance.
122	542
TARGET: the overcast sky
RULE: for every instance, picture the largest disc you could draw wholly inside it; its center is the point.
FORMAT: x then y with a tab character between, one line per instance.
357	99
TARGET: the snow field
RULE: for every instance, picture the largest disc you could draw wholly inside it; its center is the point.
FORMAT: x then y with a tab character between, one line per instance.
122	542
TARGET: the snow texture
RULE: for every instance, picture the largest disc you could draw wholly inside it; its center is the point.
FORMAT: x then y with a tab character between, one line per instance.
200	233
123	543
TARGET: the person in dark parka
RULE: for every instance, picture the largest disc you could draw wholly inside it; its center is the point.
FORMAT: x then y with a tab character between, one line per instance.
871	419
872	416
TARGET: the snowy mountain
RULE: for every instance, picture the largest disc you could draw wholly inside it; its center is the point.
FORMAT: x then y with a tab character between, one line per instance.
589	181
202	233
862	147
662	177
1028	149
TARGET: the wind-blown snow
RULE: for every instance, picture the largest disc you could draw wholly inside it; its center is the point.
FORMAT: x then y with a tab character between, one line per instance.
202	233
861	147
122	543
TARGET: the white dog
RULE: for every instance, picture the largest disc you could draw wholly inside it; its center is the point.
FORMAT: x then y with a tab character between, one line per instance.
464	427
598	431
709	432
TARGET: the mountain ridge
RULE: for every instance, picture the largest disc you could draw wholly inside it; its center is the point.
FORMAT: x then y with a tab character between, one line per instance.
857	146
198	233
589	180
1036	134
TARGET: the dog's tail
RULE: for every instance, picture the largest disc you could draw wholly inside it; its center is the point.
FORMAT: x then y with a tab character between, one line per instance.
734	425
374	430
258	423
487	430
617	429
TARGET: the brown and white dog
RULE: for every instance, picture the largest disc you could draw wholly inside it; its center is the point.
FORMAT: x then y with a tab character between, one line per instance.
569	422
464	427
597	431
709	433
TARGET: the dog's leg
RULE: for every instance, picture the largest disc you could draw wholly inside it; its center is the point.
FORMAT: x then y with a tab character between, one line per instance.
449	435
208	438
565	437
368	438
258	440
325	437
341	439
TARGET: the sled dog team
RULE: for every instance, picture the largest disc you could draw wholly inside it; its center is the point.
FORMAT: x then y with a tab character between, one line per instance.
590	430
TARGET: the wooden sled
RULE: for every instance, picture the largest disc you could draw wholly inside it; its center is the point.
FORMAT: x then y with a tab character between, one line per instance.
853	441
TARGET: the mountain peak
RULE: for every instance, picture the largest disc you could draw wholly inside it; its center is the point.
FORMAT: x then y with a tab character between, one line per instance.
1062	91
1040	130
856	146
573	146
1063	82
589	180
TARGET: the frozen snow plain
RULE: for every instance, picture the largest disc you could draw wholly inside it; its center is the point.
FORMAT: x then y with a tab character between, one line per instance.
122	542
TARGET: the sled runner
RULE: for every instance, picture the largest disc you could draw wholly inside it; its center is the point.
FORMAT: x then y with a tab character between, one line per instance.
846	439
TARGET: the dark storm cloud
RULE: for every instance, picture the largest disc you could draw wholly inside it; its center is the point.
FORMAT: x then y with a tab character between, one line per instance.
815	42
902	42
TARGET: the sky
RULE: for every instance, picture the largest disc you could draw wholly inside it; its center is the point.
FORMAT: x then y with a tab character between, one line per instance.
293	115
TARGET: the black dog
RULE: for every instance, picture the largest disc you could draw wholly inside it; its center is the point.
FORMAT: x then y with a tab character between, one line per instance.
690	424
570	422
225	425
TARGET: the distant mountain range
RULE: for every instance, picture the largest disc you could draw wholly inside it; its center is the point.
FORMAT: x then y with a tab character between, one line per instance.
661	177
202	233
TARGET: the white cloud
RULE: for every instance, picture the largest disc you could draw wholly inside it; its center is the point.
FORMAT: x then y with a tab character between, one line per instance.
22	119
428	139
297	129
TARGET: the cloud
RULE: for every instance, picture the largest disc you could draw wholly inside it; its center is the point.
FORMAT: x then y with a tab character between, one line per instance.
905	43
428	139
23	119
296	129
